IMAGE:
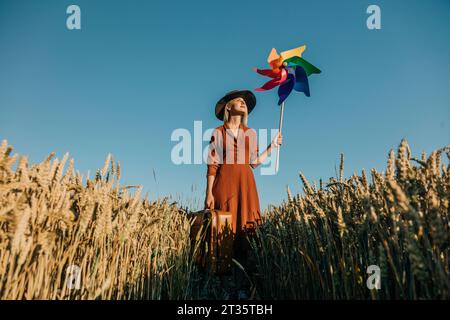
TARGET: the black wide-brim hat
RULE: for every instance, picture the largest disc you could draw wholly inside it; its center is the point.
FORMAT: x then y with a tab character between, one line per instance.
248	96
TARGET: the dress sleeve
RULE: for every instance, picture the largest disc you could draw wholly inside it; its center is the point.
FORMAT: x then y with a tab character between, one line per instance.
254	149
213	160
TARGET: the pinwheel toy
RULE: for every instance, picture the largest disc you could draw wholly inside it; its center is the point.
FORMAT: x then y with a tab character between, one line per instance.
289	71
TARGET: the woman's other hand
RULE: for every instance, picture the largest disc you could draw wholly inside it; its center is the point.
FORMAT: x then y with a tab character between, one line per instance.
209	201
278	140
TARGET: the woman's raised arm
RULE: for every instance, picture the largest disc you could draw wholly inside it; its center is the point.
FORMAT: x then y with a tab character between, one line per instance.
276	142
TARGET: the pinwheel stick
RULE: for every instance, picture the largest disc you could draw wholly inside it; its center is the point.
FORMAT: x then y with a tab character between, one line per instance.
277	161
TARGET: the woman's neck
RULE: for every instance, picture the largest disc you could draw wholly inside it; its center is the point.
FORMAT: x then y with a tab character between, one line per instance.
234	121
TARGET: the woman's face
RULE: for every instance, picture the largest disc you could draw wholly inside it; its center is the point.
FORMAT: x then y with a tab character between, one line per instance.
237	106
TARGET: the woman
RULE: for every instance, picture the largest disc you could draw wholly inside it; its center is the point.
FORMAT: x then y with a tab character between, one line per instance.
232	154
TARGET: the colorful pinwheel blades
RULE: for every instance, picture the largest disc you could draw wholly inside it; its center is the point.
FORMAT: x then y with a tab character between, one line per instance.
289	71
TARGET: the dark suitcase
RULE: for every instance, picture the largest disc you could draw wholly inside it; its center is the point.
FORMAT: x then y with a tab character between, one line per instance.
212	240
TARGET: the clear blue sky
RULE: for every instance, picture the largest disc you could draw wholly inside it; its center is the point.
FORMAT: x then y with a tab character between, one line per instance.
140	69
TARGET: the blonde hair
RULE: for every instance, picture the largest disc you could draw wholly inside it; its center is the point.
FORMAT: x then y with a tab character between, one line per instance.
226	115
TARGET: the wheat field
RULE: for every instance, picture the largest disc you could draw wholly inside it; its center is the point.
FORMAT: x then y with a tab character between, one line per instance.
319	245
316	245
124	247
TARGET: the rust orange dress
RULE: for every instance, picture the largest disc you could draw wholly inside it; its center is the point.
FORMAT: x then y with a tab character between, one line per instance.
234	189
